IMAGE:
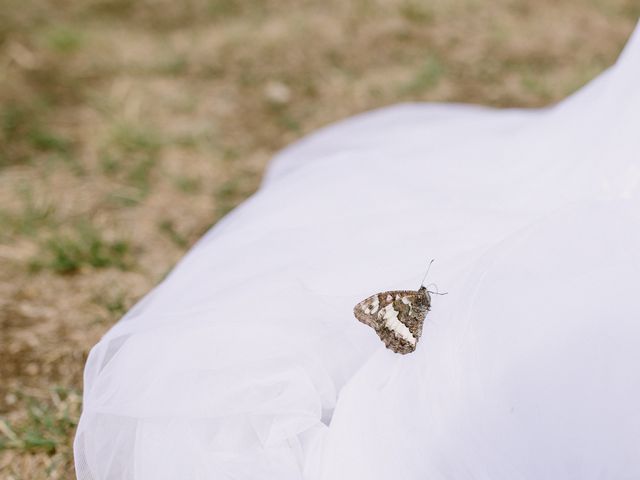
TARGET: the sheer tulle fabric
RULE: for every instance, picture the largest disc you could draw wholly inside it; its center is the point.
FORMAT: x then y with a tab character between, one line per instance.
246	362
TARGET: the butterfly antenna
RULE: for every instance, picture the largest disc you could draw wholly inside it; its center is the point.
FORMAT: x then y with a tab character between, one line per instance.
436	292
425	275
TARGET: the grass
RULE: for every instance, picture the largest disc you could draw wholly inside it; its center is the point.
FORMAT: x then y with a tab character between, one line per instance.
31	216
63	39
47	424
427	77
230	193
46	141
42	432
169	229
417	12
189	185
128	127
17	124
85	247
130	153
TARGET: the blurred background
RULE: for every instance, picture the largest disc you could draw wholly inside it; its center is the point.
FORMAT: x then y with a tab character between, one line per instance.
128	128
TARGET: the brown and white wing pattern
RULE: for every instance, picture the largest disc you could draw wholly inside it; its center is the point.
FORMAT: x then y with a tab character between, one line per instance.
396	316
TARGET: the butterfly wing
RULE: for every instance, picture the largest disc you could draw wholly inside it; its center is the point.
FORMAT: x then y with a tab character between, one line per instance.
396	316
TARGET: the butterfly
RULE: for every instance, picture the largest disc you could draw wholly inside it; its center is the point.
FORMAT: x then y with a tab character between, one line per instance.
397	316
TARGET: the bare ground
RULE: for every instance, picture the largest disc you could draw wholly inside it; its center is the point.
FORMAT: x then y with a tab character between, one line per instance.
128	128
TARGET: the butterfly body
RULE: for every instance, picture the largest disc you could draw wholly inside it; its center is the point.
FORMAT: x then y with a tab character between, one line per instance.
396	316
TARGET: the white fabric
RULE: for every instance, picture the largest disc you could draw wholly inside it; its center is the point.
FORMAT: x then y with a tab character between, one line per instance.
247	363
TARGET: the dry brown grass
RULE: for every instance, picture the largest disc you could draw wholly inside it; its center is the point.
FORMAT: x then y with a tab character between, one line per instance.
127	128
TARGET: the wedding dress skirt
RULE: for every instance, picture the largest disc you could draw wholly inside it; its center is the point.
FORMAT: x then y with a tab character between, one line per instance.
247	362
